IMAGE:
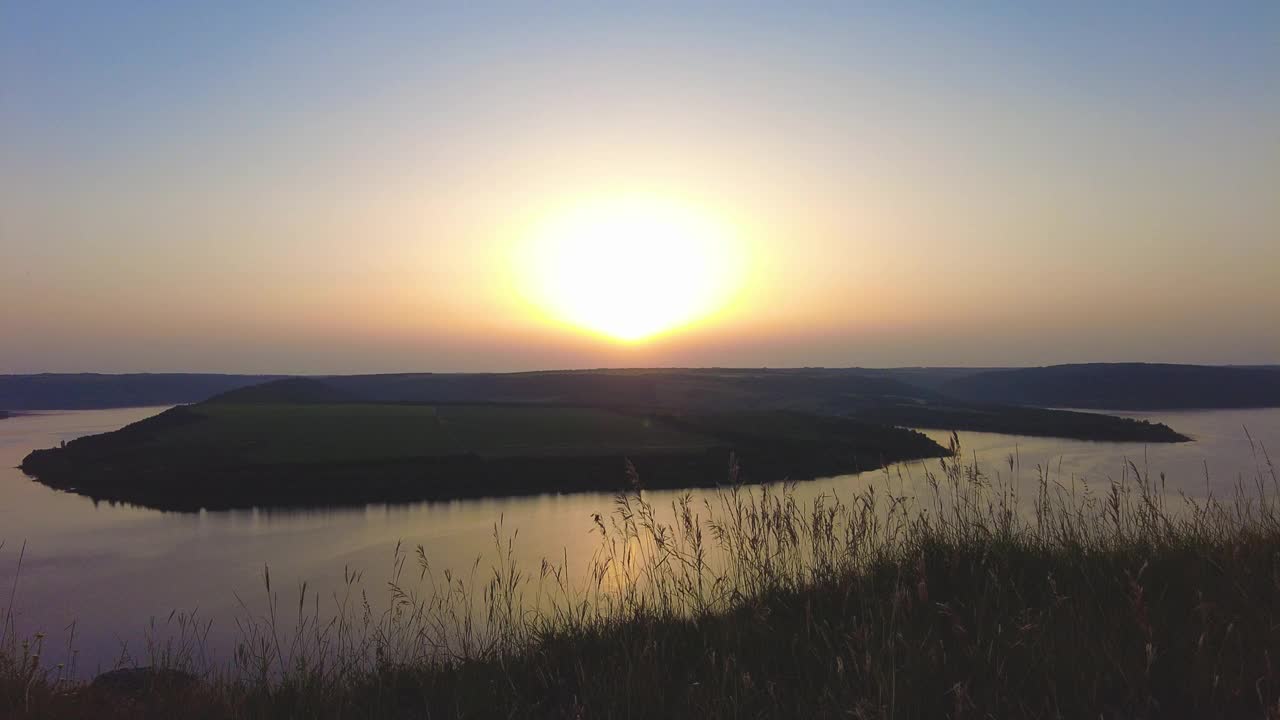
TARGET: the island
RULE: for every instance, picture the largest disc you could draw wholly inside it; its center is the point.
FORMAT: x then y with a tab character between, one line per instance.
395	438
218	455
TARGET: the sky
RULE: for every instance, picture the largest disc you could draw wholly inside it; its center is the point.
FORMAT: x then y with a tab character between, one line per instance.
379	187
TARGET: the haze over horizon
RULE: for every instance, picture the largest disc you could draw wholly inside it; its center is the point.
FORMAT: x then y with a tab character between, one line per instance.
316	188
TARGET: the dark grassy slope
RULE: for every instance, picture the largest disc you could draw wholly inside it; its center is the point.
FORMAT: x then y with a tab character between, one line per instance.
90	390
1123	386
236	454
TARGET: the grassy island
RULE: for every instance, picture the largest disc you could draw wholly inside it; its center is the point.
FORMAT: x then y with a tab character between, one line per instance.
230	454
386	438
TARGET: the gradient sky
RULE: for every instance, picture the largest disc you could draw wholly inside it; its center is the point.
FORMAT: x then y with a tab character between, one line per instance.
267	187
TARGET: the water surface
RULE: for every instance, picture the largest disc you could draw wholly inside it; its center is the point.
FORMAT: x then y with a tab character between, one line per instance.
111	568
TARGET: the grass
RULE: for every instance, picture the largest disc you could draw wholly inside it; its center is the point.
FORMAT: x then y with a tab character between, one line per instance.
962	600
314	433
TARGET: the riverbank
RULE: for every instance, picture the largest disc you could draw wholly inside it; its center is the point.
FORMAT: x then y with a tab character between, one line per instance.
758	605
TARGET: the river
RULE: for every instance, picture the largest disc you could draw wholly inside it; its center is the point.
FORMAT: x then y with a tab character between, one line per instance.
111	569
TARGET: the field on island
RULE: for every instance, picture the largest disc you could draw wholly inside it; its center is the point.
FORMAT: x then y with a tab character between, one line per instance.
222	454
353	432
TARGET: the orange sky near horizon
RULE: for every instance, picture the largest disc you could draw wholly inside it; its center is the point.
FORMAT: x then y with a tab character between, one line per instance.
370	191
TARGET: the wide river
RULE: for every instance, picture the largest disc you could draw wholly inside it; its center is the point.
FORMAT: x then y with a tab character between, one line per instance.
111	569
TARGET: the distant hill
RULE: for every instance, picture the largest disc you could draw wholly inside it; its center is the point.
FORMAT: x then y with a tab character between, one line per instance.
285	390
1123	386
86	391
929	378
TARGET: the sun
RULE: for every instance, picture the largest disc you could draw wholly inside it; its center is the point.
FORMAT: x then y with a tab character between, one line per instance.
630	268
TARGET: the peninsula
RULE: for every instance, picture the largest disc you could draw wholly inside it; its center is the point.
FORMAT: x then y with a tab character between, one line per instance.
384	438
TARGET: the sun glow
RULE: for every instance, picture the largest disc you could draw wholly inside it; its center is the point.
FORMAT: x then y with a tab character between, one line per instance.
631	268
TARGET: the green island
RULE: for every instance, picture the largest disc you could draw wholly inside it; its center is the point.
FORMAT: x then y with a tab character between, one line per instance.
221	455
385	438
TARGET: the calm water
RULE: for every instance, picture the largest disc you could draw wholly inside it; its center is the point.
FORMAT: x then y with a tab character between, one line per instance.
110	569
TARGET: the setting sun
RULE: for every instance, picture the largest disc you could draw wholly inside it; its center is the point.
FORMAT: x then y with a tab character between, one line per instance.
630	268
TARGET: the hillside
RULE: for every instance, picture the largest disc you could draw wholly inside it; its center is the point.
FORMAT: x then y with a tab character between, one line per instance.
1130	386
1123	386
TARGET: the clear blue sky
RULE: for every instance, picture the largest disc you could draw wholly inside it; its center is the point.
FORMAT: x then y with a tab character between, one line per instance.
319	187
